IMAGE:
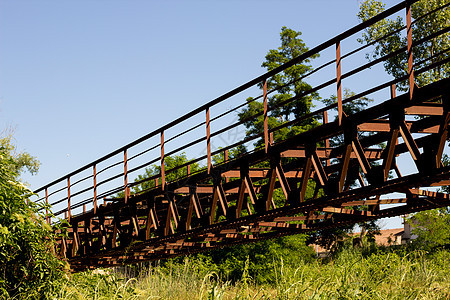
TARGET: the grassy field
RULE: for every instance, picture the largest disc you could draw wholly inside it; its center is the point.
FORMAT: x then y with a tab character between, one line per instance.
351	274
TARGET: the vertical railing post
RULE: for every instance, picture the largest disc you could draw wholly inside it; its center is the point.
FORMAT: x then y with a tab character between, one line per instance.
208	140
266	126
225	159
68	199
163	173
95	188
409	47
393	87
338	81
46	207
392	90
327	141
125	174
225	155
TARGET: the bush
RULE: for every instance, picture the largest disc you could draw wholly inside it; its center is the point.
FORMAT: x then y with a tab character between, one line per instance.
28	266
258	260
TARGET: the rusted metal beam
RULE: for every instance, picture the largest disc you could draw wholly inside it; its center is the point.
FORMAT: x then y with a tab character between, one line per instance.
162	163
339	82
125	174
266	126
208	141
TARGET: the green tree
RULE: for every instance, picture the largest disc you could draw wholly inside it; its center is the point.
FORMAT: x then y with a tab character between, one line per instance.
20	161
432	227
436	49
286	85
233	153
28	266
290	84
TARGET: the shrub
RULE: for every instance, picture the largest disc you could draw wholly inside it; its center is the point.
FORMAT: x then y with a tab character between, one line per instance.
28	266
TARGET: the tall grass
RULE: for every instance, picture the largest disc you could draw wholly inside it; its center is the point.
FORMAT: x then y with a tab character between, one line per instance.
348	275
415	275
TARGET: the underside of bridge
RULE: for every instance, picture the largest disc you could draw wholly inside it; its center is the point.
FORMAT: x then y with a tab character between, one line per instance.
300	184
233	203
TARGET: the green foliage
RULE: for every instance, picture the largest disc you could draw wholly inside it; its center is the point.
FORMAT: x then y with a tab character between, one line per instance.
170	162
330	239
232	154
432	227
257	260
351	107
18	161
288	84
429	52
28	267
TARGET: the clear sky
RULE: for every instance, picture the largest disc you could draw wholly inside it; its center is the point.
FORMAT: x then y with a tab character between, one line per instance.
79	79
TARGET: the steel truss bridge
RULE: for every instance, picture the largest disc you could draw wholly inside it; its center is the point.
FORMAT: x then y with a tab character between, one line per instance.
231	200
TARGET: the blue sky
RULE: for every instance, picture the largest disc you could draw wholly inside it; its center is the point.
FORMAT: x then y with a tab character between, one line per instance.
79	79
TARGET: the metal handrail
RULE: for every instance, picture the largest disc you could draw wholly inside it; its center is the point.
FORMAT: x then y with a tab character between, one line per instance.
206	107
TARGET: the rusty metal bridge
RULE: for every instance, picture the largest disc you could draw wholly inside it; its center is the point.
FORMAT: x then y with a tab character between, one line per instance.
115	220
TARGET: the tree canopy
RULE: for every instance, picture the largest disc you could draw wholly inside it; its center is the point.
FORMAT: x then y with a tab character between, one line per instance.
435	49
432	227
288	84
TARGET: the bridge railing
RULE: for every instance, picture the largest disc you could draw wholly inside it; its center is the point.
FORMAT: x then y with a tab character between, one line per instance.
202	130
